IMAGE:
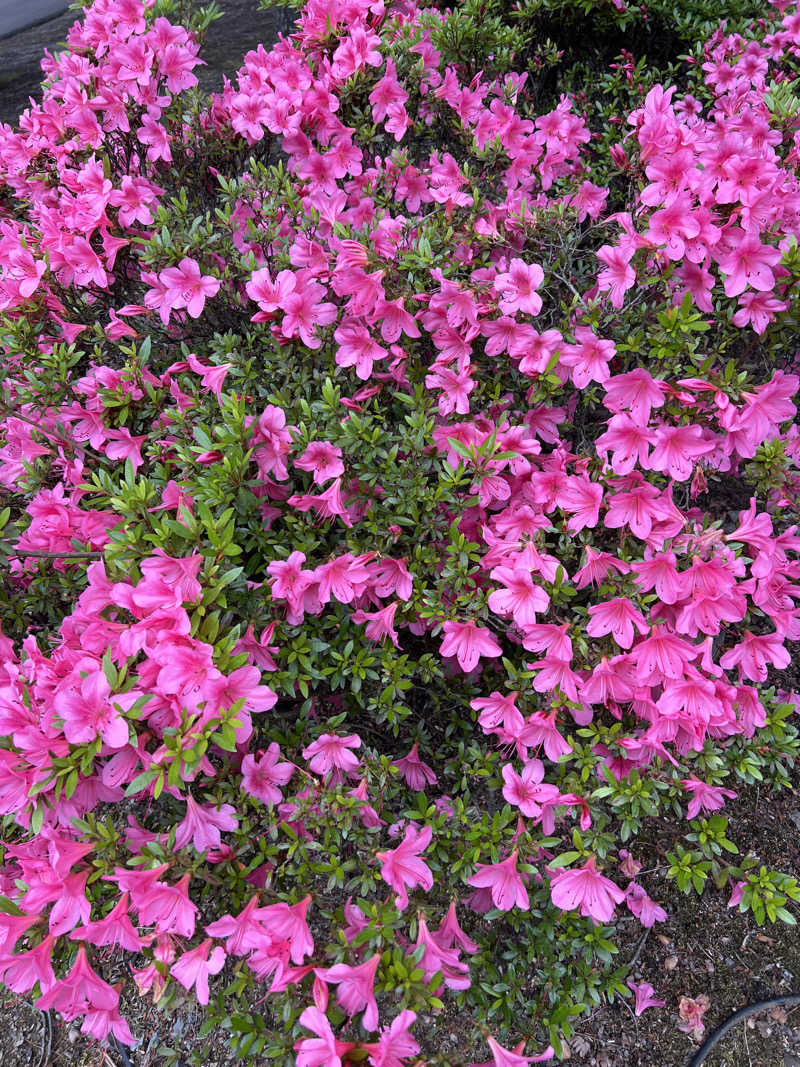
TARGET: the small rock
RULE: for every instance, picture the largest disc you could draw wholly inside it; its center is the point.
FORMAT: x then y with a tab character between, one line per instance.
670	963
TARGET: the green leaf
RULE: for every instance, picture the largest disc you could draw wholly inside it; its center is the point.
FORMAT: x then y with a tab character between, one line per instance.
564	859
8	907
142	781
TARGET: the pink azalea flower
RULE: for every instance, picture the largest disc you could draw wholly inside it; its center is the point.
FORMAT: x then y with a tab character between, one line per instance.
518	288
586	889
468	642
343	578
547	637
618	618
628	443
629	866
21	971
635	391
323	1050
540	729
71	907
87	709
499	710
611	681
754	653
186	287
267	294
504	881
368	815
212	376
101	1022
502	1057
691	1011
749	262
705	797
588	358
556	673
356	988
401	867
758	309
194	967
323	459
662	655
659	572
415	773
261	777
244	932
396	1044
287	923
618	276
260	651
677	449
519	597
139	882
581	498
437	958
169	908
115	929
357	348
390	577
327	505
202	825
122	446
332	753
81	991
737	893
379	624
450	933
525	791
12	927
456	385
641	905
356	921
304	311
643	993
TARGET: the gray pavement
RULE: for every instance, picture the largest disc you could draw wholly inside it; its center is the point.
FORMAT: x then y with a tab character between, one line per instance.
241	29
16	15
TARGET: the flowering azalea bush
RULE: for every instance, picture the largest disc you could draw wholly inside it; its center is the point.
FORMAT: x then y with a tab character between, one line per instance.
398	539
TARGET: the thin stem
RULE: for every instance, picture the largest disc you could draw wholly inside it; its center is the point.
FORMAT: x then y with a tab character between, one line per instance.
52	555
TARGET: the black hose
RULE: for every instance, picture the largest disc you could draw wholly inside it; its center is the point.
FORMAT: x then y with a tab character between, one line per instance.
742	1013
120	1051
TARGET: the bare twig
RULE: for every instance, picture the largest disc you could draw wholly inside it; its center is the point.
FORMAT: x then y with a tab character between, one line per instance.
639	948
51	555
47	1039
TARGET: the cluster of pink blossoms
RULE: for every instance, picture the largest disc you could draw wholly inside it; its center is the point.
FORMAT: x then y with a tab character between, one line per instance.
679	620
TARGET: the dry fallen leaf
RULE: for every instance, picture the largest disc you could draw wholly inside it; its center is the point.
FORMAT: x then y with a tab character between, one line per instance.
579	1044
670	963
